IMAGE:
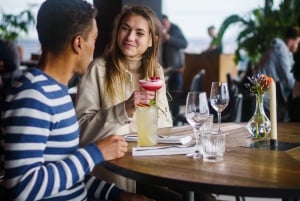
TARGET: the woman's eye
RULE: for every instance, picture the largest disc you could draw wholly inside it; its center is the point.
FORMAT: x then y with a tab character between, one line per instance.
140	34
124	28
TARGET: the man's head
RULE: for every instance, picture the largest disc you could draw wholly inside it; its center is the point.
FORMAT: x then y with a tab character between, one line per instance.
9	56
292	38
165	22
211	31
60	21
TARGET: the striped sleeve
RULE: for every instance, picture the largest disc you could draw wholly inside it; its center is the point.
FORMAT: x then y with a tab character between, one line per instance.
42	158
100	190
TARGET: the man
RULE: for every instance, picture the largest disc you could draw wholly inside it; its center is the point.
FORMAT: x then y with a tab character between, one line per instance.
215	45
173	44
41	135
172	56
277	62
9	63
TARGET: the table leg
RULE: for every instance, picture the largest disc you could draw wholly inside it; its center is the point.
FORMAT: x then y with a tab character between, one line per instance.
188	196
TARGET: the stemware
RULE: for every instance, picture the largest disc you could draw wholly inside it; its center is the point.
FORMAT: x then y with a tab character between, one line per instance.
219	99
154	84
196	112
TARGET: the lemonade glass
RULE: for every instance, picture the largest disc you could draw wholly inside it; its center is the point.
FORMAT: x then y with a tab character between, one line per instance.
146	120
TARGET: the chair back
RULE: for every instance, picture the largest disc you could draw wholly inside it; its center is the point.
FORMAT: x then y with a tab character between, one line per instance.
197	84
198	81
237	108
233	112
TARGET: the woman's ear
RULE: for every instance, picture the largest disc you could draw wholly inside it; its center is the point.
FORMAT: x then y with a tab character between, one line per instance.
150	42
77	44
155	40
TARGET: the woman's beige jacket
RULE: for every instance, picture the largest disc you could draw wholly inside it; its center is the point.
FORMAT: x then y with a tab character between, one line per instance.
100	117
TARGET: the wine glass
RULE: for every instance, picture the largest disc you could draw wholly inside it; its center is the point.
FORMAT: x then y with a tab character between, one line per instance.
196	112
219	98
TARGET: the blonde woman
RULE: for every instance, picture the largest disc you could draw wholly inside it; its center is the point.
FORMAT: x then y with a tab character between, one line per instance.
108	92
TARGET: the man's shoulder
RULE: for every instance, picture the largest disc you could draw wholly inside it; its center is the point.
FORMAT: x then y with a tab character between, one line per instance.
277	43
36	80
174	27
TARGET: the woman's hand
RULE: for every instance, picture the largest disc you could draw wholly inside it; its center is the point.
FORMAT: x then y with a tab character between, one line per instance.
143	97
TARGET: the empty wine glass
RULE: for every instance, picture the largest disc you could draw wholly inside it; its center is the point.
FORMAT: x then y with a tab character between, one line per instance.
196	112
219	98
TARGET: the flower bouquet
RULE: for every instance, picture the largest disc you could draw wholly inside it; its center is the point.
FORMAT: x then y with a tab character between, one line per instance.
259	125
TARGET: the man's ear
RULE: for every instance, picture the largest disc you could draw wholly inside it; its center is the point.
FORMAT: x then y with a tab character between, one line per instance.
77	44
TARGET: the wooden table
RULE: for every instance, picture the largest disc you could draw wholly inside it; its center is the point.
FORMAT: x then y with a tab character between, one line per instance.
245	171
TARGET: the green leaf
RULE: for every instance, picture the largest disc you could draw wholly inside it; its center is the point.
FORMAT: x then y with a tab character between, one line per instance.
260	26
152	102
11	26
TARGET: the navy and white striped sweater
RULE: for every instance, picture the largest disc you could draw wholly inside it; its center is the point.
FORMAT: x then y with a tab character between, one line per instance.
42	157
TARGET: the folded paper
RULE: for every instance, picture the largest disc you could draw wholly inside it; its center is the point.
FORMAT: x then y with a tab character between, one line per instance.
161	150
163	139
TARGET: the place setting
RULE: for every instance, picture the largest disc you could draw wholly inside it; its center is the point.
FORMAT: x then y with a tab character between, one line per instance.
150	139
210	144
149	145
200	143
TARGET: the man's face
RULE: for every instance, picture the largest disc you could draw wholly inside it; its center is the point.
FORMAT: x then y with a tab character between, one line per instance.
166	24
294	45
88	47
211	32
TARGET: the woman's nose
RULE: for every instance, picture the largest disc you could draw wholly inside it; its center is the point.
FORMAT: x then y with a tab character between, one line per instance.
130	36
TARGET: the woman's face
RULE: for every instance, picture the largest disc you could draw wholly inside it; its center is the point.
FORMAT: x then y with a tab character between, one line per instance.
134	36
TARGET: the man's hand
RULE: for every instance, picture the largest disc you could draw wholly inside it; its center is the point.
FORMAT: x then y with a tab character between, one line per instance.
165	36
113	147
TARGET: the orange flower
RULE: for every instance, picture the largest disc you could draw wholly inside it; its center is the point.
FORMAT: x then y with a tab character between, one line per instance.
259	84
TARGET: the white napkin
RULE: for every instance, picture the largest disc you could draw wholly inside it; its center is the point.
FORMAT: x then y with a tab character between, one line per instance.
163	139
161	150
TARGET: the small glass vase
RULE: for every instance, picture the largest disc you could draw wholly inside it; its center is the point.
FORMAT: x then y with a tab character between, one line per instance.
259	124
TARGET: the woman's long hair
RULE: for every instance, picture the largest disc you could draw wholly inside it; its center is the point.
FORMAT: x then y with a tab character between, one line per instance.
116	63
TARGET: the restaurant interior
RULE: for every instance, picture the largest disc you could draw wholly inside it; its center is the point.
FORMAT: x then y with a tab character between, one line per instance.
199	71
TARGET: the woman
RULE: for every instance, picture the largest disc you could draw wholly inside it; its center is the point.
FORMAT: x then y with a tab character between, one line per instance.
108	92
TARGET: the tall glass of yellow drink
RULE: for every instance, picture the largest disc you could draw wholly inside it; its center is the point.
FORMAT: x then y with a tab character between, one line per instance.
146	120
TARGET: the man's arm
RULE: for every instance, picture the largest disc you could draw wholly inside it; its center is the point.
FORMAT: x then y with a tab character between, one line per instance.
176	38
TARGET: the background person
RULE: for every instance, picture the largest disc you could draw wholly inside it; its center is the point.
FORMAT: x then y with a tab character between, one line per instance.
294	101
42	158
173	44
277	62
10	63
215	46
108	92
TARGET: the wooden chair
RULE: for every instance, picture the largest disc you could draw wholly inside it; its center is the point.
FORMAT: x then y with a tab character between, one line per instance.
179	97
